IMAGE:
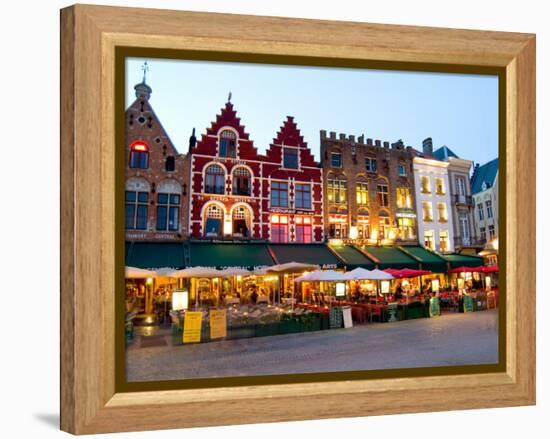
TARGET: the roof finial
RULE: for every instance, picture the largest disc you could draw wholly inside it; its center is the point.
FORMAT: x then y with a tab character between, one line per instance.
145	68
229	97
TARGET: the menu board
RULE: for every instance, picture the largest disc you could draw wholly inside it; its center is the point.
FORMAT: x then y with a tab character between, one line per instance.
192	325
468	304
434	307
218	323
491	300
346	313
336	318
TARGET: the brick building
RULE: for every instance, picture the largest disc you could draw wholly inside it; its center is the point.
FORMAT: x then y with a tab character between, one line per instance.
237	193
368	190
156	196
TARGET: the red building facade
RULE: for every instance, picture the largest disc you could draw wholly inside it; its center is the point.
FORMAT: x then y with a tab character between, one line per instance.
237	193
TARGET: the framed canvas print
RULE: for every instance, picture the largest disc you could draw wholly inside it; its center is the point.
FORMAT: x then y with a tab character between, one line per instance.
319	219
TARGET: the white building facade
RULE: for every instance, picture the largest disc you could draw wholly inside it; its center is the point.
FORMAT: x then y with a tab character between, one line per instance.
433	203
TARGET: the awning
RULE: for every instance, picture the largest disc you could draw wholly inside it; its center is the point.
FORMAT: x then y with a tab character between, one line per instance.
456	260
307	253
352	257
220	255
429	260
153	255
391	257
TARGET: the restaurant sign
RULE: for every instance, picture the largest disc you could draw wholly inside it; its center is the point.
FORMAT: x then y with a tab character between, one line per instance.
192	325
468	304
434	307
218	323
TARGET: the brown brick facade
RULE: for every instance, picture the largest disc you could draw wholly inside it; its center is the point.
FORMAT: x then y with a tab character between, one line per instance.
356	205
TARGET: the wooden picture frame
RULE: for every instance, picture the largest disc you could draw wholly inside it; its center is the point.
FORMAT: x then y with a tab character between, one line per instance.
90	36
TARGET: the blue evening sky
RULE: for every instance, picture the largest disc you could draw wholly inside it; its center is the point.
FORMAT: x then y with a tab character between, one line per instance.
457	110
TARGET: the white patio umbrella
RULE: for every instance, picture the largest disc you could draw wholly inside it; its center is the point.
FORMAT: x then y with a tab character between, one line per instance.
138	273
326	276
198	272
364	274
234	271
165	272
290	267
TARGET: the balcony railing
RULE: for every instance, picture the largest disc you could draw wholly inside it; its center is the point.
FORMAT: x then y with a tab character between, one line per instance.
463	199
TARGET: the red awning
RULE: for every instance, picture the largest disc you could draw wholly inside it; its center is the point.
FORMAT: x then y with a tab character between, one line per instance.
467	270
490	269
406	272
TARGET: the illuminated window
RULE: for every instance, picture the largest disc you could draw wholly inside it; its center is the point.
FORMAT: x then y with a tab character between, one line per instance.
405	228
136	210
139	155
303	229
427	212
425	185
363	226
241	222
302	196
279	194
404	200
482	234
213	221
215	180
168	211
279	228
442	212
443	241
337	191
290	158
384	225
362	192
439	186
228	144
382	195
241	182
338	229
429	239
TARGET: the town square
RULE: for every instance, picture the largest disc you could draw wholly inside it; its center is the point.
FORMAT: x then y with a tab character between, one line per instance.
358	254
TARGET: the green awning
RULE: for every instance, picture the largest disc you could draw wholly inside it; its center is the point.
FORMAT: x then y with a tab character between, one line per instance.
220	255
429	260
352	257
391	257
457	260
306	253
155	254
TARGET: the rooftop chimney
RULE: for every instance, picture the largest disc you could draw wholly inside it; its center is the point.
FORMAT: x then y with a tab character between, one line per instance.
192	140
427	147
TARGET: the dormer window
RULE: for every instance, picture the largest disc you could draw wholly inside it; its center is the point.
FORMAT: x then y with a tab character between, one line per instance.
228	144
290	158
139	155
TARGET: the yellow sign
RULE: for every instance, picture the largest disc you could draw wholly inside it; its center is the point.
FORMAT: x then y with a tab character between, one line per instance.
218	323
192	324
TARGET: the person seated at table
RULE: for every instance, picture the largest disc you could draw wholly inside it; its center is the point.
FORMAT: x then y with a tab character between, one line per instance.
253	296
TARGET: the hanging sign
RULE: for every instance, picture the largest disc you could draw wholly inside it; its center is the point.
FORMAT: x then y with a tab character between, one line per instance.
218	323
192	325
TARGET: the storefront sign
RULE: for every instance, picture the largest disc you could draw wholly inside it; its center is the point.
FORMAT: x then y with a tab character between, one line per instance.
405	215
392	312
192	325
385	286
180	300
435	286
434	307
218	323
340	289
460	282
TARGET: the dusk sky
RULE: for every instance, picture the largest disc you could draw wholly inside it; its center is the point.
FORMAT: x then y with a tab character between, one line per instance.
460	111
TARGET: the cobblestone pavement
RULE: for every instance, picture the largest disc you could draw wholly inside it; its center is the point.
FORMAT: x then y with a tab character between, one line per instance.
452	339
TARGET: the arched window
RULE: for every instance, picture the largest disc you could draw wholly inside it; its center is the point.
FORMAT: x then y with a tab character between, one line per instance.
170	165
242	182
241	222
213	221
214	180
228	144
139	155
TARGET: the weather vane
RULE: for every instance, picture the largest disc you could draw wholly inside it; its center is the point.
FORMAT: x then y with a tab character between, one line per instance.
145	69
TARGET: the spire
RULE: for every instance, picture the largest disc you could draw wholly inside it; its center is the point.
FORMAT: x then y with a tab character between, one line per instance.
229	97
142	89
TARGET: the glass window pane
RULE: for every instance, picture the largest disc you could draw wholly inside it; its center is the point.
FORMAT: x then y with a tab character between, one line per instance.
174	199
130	196
141	223
162	198
143	197
173	222
161	218
130	212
